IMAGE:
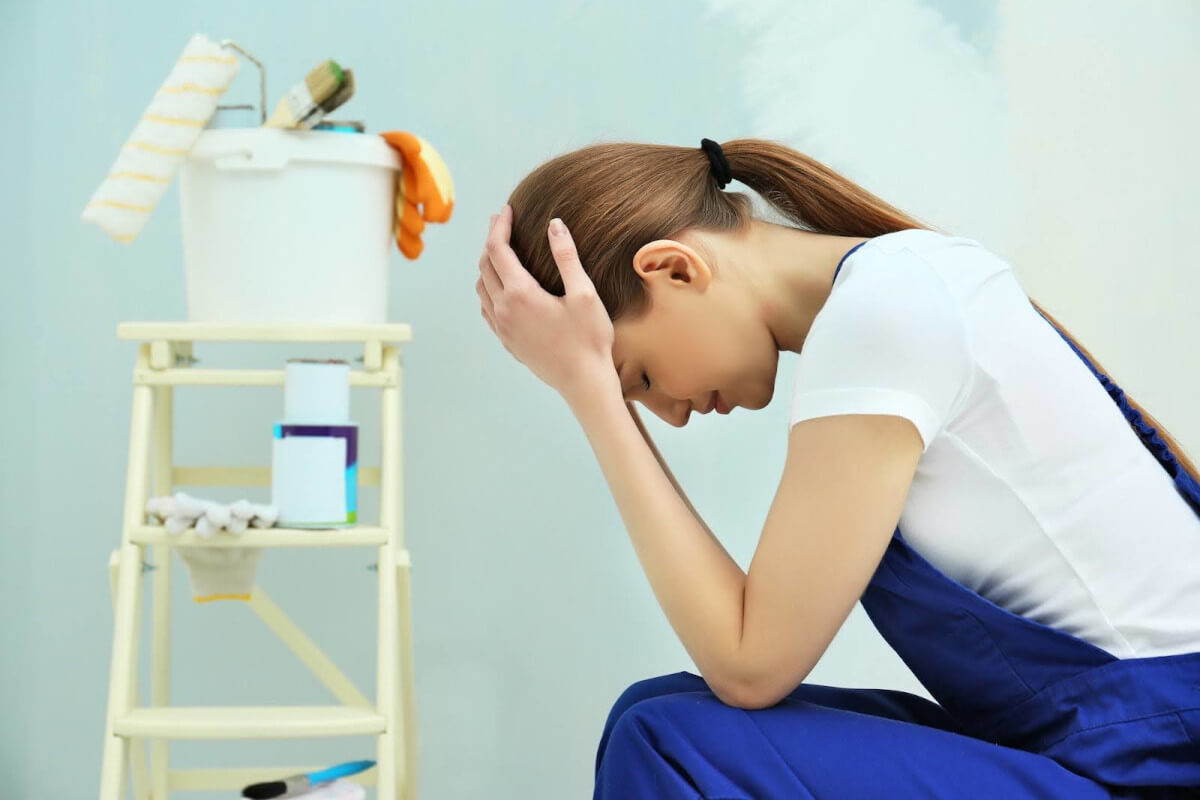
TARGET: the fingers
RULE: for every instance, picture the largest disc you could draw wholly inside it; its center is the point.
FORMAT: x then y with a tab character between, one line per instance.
488	285
562	246
508	267
485	303
487	274
487	308
488	312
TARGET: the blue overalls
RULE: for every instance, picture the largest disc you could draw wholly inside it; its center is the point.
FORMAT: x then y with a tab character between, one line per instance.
1023	710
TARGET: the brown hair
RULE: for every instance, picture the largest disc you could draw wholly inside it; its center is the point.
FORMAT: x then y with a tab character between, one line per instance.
616	196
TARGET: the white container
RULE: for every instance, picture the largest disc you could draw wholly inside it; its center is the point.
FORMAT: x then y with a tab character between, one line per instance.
316	390
288	226
314	474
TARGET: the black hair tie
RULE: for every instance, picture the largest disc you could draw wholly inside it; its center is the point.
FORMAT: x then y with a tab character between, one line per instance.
720	164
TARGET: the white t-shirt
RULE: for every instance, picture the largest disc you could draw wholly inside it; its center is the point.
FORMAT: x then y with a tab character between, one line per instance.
1032	488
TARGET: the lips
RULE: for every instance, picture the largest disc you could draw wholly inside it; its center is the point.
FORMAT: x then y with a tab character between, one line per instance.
715	402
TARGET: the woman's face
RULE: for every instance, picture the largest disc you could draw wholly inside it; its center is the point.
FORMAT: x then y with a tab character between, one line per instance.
701	334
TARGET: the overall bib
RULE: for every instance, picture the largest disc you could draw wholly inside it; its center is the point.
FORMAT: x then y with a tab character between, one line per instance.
1023	710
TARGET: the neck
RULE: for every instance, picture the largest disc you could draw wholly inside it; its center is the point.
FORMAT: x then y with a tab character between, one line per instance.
791	274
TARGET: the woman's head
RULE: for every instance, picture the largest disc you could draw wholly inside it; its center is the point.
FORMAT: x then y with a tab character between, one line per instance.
675	259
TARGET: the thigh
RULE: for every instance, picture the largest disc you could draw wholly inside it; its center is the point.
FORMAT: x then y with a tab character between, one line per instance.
674	739
644	689
891	703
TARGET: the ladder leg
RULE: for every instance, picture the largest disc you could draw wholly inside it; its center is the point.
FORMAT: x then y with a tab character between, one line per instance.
387	784
137	763
137	751
160	625
407	739
408	699
387	667
137	747
122	673
123	664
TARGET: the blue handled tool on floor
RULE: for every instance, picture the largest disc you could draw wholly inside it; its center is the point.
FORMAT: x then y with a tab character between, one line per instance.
303	782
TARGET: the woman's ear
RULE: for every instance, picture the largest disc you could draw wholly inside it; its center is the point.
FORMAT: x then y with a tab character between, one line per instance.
674	263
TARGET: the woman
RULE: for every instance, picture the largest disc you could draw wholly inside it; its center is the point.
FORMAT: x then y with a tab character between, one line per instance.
1023	534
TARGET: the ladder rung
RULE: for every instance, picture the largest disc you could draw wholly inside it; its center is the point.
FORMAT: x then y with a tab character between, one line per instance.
264	537
186	376
265	332
248	722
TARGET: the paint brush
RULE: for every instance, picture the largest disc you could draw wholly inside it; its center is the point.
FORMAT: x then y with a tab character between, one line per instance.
322	82
330	103
296	784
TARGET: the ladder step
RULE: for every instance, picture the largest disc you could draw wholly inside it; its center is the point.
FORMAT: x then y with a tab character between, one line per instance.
248	722
264	332
264	537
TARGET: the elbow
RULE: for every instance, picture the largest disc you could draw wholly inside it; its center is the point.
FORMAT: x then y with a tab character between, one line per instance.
742	693
759	689
747	698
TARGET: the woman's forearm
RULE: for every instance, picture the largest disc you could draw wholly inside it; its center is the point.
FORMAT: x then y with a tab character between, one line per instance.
663	463
698	585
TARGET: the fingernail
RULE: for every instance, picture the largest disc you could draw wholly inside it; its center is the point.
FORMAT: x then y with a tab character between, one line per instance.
556	227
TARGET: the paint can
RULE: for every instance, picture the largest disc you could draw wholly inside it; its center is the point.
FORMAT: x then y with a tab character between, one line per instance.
314	449
316	390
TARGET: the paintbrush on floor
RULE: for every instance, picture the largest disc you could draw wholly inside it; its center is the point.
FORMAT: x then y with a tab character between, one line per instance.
298	784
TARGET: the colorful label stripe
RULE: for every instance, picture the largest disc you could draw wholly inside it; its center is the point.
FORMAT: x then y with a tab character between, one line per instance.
347	432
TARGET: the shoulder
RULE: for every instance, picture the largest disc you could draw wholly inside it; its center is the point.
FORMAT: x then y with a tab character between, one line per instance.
921	244
888	288
890	338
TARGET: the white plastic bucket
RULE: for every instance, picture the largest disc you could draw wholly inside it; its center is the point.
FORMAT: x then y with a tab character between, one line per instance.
287	226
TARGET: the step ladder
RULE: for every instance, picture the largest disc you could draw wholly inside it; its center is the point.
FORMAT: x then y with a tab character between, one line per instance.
164	361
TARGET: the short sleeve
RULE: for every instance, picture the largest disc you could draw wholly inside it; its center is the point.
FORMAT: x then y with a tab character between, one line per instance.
890	339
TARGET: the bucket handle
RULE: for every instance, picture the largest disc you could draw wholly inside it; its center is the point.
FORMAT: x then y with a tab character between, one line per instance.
262	77
262	158
266	156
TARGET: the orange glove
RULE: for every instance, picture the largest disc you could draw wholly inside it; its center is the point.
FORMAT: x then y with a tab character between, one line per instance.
424	190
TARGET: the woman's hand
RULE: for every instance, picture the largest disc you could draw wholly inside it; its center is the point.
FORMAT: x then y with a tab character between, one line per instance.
565	341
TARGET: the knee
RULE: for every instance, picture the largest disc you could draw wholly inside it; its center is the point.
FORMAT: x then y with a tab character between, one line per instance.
645	689
653	687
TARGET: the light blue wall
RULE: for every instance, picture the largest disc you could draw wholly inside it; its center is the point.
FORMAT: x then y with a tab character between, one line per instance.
531	610
18	475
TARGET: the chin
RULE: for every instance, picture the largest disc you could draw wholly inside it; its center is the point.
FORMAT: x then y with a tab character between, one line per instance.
767	394
770	393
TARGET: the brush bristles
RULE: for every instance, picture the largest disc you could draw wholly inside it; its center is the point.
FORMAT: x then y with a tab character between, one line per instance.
263	791
324	79
341	95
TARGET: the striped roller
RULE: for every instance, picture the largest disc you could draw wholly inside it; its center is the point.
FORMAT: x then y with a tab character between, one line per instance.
161	139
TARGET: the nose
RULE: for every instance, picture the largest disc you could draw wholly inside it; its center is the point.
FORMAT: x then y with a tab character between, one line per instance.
668	409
